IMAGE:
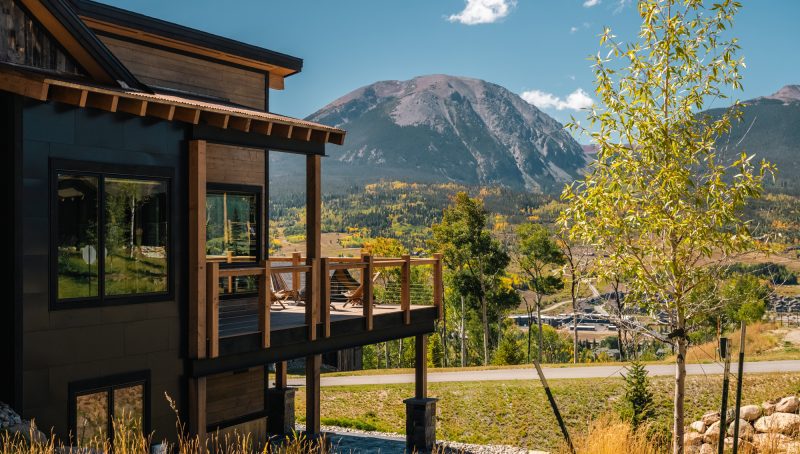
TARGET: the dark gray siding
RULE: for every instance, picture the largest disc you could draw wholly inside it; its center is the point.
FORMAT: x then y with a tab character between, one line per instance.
63	346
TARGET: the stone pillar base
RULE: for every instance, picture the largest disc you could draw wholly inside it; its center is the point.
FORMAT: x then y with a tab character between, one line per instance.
280	411
420	424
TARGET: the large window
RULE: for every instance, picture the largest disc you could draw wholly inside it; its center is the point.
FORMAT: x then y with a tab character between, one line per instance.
233	223
99	408
112	235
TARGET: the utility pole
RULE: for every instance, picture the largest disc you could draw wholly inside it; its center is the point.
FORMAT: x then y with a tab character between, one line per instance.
739	379
725	355
554	406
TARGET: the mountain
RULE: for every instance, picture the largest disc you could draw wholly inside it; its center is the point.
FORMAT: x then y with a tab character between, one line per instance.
770	129
442	128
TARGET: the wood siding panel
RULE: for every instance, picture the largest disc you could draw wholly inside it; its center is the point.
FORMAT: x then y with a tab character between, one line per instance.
233	395
162	68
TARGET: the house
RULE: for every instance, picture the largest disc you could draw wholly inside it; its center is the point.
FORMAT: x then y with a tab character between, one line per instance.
137	176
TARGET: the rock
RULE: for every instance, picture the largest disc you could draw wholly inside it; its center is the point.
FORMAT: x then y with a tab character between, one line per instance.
692	439
746	431
750	412
768	407
792	447
707	448
788	404
710	418
784	423
769	442
8	417
28	431
712	434
698	426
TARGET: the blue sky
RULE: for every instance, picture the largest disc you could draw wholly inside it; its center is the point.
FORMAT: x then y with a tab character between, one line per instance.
534	46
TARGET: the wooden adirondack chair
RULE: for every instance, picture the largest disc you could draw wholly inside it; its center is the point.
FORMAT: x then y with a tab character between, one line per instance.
356	297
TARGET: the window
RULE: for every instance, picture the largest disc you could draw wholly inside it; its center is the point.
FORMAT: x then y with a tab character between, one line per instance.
111	234
99	408
233	223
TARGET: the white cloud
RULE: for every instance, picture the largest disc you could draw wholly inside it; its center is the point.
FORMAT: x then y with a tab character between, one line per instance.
576	100
591	3
573	29
483	11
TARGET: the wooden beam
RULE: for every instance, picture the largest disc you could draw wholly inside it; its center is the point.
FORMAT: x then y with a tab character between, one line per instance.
318	136
216	120
212	308
197	249
240	123
336	138
368	291
325	296
301	133
68	95
132	106
197	408
276	81
312	298
163	111
187	115
405	289
438	287
102	101
297	259
313	368
421	366
25	86
313	205
261	127
264	304
281	381
281	130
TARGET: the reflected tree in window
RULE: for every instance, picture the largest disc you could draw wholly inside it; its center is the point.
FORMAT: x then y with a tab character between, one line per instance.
232	226
77	236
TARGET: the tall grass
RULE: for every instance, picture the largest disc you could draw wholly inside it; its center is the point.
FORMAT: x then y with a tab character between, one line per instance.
610	435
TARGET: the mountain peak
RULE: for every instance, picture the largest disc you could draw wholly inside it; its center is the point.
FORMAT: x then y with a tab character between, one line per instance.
448	128
789	93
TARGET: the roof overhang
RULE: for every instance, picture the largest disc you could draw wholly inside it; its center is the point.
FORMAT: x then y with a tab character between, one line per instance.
167	107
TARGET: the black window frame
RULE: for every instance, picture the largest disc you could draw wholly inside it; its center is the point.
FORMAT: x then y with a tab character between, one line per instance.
108	384
103	171
246	190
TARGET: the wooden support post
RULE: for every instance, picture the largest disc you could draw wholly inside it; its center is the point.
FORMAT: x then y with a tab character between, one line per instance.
296	261
312	298
313	367
405	289
313	206
264	304
421	367
325	295
438	284
366	283
212	308
197	249
197	408
280	375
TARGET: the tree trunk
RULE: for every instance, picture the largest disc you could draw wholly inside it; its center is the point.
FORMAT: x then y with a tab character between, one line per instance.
444	334
539	324
680	384
463	336
574	335
485	317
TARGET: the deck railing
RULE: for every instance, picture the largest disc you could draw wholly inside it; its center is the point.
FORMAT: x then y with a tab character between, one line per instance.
318	283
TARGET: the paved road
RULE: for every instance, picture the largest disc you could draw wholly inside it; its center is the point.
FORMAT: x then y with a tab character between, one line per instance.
550	373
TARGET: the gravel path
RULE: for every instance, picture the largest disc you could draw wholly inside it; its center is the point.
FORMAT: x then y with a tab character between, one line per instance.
550	373
351	441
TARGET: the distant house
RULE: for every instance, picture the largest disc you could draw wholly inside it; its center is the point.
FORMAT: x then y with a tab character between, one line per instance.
137	183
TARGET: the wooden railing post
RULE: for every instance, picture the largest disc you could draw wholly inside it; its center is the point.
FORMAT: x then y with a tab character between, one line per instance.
197	249
366	282
312	298
405	289
197	408
212	308
264	303
325	295
438	284
296	261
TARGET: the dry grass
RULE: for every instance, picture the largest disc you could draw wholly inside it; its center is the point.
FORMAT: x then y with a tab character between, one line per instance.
762	342
610	435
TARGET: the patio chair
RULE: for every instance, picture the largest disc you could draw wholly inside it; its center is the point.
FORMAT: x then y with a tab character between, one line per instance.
356	297
279	284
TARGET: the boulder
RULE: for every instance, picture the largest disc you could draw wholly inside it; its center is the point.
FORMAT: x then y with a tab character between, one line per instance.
712	434
746	430
788	404
698	426
692	439
710	418
769	442
792	447
745	446
783	423
768	407
708	448
28	431
8	417
750	412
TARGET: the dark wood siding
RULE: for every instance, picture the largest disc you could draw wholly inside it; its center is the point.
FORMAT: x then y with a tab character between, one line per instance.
234	395
64	346
162	68
24	42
